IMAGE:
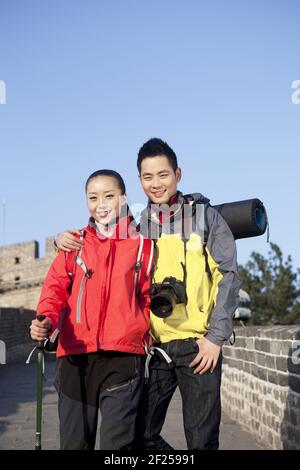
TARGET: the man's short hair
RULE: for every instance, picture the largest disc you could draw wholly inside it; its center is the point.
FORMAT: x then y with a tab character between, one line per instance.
154	148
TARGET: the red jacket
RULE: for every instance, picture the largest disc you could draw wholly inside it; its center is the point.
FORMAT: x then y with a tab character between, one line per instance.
103	310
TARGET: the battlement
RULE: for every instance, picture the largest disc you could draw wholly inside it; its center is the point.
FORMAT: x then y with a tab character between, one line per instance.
22	272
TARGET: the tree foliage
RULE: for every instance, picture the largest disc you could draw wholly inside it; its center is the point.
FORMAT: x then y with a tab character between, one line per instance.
274	288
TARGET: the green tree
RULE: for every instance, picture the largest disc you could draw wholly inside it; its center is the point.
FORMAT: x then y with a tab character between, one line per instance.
273	286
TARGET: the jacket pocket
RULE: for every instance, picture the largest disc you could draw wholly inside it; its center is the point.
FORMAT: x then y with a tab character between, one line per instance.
120	386
130	369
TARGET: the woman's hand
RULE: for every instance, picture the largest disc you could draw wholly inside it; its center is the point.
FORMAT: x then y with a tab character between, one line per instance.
39	330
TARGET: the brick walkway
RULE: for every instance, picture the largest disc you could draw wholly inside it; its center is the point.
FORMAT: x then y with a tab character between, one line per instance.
17	414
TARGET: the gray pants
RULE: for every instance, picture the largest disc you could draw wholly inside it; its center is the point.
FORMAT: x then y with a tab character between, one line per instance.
107	381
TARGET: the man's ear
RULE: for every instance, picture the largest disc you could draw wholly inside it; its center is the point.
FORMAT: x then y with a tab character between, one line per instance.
178	174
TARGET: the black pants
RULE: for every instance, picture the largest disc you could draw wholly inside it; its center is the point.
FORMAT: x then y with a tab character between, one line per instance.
201	405
106	380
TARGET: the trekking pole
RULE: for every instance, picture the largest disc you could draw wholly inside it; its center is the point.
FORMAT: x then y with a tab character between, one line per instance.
40	364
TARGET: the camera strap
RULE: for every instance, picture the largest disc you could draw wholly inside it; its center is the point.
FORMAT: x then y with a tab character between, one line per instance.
183	264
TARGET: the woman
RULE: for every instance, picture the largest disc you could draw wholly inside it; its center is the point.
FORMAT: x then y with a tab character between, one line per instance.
97	299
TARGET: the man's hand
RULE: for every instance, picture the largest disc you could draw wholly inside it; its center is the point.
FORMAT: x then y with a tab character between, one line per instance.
207	357
66	241
39	330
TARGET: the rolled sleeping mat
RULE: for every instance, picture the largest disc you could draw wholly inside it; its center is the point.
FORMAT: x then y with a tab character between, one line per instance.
245	218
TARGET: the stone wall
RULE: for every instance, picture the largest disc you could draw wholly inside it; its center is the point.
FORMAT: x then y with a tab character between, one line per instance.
22	297
15	343
22	273
261	384
21	260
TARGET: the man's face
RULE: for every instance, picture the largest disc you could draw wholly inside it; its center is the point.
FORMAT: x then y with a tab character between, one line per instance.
158	179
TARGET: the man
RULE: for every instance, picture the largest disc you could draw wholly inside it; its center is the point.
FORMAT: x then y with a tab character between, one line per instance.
195	295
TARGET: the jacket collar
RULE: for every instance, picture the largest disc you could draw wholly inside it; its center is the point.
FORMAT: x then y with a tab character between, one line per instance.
124	228
152	211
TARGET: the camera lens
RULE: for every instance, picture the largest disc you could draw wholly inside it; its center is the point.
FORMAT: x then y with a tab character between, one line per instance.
163	303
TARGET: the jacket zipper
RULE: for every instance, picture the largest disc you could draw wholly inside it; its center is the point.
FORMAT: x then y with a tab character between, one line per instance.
79	299
101	344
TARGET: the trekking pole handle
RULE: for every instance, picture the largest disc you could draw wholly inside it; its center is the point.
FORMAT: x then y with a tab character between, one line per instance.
40	343
41	317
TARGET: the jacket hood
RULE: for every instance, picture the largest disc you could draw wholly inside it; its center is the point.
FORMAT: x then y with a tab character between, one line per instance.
196	198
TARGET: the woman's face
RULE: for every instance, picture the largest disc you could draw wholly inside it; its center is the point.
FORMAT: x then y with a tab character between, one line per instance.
104	199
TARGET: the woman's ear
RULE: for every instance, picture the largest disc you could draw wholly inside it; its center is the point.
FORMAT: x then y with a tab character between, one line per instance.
124	199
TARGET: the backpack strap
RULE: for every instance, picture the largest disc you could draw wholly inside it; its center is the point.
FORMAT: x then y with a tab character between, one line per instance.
72	259
143	268
143	263
202	225
205	238
138	264
148	253
70	263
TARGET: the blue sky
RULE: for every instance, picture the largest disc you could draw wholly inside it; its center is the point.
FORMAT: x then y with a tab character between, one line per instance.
88	82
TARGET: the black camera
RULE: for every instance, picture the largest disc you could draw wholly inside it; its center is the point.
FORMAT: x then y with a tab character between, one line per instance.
165	295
